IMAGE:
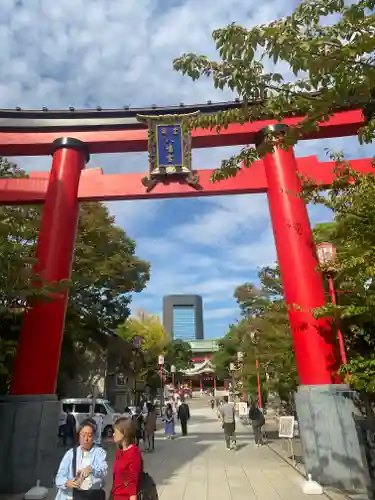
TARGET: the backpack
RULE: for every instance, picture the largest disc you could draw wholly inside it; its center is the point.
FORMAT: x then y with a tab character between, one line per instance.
261	420
147	487
257	415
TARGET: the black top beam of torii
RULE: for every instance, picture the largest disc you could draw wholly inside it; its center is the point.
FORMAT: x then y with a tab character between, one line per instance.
122	118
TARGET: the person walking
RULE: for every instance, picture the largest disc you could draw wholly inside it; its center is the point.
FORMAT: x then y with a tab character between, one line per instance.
257	421
183	416
150	428
169	422
227	413
139	425
70	429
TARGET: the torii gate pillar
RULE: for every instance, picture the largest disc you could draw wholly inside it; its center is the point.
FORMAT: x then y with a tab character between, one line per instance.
325	407
29	416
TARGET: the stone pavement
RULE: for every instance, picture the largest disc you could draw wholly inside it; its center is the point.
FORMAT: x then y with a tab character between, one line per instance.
198	467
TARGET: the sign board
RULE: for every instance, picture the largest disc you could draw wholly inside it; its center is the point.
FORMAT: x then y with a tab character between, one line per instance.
169	150
161	360
286	427
242	409
121	380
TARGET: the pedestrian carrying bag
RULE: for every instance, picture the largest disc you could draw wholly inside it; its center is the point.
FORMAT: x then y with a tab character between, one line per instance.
85	494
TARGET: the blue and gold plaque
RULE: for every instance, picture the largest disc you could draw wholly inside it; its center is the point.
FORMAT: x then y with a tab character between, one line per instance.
169	149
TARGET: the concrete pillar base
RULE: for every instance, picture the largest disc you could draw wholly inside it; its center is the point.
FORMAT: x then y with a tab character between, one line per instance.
331	445
28	441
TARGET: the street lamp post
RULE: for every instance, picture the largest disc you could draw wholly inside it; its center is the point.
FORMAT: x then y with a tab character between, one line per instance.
161	366
260	399
326	253
137	342
232	369
240	356
173	372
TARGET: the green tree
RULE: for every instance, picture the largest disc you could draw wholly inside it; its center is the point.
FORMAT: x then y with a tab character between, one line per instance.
332	64
154	343
178	353
262	334
353	234
105	271
18	231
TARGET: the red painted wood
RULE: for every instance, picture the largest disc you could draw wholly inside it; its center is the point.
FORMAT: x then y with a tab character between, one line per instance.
38	354
343	123
96	186
313	339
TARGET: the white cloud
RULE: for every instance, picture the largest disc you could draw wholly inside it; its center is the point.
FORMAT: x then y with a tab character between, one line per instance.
229	218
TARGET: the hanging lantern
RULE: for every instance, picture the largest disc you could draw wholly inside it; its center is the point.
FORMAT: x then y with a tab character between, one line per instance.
326	253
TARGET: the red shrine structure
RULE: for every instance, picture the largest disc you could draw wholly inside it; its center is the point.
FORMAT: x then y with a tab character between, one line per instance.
70	137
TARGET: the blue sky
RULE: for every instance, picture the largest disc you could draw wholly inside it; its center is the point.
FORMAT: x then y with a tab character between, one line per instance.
112	53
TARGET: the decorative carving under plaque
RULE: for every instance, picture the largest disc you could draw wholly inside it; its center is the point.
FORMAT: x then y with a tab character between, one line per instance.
169	150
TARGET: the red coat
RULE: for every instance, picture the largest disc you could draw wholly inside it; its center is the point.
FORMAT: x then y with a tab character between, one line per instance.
126	473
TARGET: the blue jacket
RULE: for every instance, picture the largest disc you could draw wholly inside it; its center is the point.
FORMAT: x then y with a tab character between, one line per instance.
65	472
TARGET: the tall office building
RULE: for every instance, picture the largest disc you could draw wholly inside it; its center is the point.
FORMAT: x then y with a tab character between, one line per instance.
183	316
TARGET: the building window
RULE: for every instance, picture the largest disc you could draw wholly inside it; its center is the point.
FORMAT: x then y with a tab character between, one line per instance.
184	322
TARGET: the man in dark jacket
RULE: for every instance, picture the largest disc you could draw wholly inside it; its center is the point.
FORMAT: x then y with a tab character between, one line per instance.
257	421
70	430
183	416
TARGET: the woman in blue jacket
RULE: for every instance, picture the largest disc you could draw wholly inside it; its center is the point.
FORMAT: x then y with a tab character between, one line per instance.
90	467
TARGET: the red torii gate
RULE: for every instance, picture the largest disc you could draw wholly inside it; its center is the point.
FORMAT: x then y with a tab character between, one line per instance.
28	416
71	136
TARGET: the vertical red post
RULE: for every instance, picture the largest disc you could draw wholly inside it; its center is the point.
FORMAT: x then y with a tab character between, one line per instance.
260	399
200	383
332	292
37	362
314	342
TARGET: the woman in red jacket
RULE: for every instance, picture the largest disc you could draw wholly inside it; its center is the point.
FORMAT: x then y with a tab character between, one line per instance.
128	461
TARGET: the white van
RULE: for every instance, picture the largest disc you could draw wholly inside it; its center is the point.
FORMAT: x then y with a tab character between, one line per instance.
82	408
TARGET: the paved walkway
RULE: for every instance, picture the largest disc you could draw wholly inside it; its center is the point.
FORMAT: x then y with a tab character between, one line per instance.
198	467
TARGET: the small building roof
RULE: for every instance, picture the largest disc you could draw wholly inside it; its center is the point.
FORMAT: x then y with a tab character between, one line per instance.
198	346
205	367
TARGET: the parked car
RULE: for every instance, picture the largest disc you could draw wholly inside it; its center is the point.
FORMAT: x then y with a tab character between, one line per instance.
82	408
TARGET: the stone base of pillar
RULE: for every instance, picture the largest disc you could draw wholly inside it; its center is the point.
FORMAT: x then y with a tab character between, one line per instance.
29	439
332	446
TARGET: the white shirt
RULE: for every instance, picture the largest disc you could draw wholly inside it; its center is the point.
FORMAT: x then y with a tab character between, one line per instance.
86	462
